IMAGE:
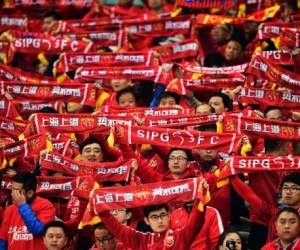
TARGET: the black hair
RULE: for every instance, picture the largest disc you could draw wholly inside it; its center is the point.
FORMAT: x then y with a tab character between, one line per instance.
56	223
88	141
225	233
147	210
167	94
48	110
125	91
27	179
225	98
289	210
53	14
214	59
207	127
293	177
187	152
270	108
99	225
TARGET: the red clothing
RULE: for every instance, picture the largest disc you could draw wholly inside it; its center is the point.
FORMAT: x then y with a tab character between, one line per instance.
207	238
177	240
265	186
274	245
15	231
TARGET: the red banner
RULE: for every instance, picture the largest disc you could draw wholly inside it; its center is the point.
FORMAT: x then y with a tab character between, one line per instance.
225	142
262	128
79	93
144	195
106	171
29	147
71	61
11	128
154	73
76	123
269	97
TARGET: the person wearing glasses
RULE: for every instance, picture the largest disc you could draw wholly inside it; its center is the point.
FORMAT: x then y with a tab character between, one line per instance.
161	237
179	161
290	197
104	240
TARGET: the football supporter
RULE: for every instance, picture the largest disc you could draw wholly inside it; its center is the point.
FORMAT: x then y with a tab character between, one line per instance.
55	235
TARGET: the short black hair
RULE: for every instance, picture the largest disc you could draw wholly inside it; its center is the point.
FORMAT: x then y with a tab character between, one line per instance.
56	223
99	225
214	59
89	140
27	179
125	91
225	98
48	110
167	94
225	233
53	14
147	210
187	152
289	210
293	177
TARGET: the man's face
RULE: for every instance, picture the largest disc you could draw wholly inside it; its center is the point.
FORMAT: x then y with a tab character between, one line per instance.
287	226
16	186
158	220
156	4
207	155
104	240
55	238
119	84
92	152
121	215
203	109
167	102
233	50
177	162
219	34
291	194
47	23
275	114
217	103
127	100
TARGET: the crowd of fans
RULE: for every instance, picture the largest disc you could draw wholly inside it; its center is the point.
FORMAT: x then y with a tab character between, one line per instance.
172	125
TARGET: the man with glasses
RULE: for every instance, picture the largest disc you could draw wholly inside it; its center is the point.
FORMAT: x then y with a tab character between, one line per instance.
290	197
162	237
179	161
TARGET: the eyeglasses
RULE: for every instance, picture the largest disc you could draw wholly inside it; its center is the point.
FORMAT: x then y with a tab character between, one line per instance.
290	189
105	239
118	211
177	158
162	216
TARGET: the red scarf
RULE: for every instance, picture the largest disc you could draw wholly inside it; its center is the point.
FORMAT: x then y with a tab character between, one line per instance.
265	69
259	16
79	93
143	195
71	61
76	123
223	4
30	147
8	109
154	73
259	127
178	50
252	164
225	142
269	97
12	128
15	22
34	106
105	171
282	57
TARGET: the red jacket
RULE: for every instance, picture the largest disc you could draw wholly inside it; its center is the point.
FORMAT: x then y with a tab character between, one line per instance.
177	240
274	245
207	238
15	231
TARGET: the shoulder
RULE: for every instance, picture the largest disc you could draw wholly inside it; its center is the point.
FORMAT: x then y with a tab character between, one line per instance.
39	203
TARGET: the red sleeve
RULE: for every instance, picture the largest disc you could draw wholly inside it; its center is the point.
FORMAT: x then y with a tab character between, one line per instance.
46	212
195	223
258	205
128	236
148	174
